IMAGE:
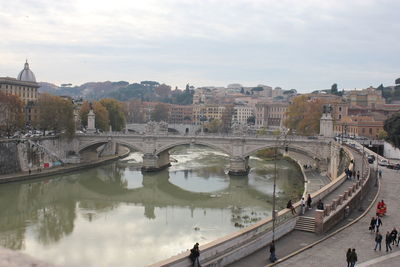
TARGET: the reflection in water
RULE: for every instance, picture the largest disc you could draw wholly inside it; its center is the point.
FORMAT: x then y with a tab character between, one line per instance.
115	216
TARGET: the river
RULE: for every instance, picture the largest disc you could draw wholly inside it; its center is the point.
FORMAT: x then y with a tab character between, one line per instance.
114	215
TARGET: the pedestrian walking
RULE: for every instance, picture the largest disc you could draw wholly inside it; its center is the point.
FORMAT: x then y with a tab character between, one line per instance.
309	200
354	174
194	255
372	224
378	223
380	173
290	206
358	175
353	257
348	257
388	240
303	205
378	241
29	171
272	256
393	235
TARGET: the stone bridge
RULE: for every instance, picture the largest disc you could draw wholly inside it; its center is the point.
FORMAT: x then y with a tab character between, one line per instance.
178	128
155	148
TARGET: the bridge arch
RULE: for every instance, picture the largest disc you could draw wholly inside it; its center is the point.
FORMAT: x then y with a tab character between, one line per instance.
195	142
105	141
290	147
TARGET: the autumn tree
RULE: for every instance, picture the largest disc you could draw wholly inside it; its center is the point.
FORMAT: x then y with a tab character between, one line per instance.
101	121
134	111
303	115
226	118
56	113
214	126
11	114
160	112
116	113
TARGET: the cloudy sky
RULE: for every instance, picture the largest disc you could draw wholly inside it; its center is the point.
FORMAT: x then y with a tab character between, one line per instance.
305	44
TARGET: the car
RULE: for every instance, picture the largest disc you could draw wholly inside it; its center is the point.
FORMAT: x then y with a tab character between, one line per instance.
383	162
390	166
397	166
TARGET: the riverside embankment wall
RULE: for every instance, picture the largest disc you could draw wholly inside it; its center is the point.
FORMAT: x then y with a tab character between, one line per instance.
23	154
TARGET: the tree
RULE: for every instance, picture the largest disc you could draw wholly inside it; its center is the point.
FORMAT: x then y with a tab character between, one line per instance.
56	113
303	115
392	127
226	118
11	115
213	126
251	120
160	112
134	111
382	135
334	90
116	113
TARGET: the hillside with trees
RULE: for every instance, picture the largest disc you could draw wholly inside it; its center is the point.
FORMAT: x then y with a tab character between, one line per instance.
122	91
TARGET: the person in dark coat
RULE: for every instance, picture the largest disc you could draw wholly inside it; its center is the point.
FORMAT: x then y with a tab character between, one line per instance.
348	257
388	240
393	235
309	200
353	257
372	224
378	241
194	255
272	256
358	175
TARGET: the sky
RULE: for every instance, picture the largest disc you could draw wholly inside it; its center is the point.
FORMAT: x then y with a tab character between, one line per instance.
305	44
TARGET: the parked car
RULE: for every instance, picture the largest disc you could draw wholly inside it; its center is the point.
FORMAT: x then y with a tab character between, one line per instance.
397	166
383	162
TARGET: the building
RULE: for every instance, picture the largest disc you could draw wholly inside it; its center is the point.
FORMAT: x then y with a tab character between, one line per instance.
270	114
366	98
241	114
26	88
202	113
179	114
360	125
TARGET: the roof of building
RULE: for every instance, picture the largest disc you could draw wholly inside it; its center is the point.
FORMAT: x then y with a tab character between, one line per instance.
26	74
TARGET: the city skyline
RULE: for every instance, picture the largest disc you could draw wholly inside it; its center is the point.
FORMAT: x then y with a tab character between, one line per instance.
306	46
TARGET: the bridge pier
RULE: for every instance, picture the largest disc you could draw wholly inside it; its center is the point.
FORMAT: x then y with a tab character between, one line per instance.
239	166
153	162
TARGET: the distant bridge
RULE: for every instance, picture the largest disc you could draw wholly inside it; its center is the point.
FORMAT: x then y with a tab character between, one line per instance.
156	156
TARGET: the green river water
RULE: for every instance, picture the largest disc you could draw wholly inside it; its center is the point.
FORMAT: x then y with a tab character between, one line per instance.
114	215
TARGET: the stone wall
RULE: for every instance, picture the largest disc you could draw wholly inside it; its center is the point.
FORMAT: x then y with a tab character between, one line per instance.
22	155
9	162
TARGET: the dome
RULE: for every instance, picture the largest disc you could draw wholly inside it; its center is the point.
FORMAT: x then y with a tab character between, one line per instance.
26	74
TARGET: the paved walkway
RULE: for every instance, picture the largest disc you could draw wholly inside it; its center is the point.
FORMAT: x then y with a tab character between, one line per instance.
331	252
299	239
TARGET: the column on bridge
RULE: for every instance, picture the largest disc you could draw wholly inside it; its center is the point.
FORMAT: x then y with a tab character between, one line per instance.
239	164
152	160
